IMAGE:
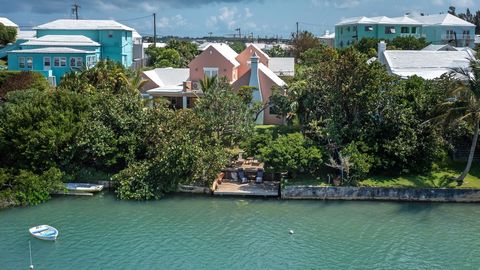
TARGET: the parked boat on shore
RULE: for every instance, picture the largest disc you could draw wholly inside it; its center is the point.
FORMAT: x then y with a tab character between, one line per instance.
83	187
44	232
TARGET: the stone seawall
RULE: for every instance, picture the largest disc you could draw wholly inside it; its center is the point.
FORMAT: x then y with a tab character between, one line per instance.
384	194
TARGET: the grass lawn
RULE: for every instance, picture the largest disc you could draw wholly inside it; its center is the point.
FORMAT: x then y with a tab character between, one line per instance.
440	178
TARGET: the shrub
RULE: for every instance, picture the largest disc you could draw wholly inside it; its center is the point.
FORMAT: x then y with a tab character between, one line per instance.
361	162
22	81
291	153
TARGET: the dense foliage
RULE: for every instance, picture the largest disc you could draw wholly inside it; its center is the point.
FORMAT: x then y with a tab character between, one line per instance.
369	45
13	80
176	54
8	34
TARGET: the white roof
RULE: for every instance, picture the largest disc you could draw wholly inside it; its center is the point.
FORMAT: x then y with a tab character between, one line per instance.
282	65
168	77
441	19
135	34
442	47
159	45
269	73
62	40
426	64
7	22
328	35
437	19
68	24
52	50
27	35
477	39
226	51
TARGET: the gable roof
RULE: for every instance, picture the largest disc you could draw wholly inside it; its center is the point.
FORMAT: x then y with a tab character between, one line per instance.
168	76
256	46
226	51
7	22
68	24
436	19
61	40
269	73
426	64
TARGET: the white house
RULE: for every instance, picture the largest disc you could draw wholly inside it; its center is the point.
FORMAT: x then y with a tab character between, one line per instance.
428	64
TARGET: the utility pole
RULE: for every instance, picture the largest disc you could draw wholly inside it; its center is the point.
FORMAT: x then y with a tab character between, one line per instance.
239	33
154	30
75	8
297	30
210	34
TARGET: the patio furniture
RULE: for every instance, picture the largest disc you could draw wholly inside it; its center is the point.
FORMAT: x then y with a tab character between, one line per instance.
242	176
259	177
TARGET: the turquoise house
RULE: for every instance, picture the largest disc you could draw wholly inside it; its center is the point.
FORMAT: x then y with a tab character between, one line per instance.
436	29
65	45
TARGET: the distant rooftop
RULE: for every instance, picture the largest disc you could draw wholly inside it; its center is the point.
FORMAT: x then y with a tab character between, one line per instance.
168	77
284	66
62	40
427	20
68	24
7	22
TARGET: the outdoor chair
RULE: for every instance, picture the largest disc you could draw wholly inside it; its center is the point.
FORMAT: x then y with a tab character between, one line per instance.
259	177
242	176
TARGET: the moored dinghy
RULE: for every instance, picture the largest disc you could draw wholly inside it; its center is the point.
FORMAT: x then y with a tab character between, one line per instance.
44	232
83	187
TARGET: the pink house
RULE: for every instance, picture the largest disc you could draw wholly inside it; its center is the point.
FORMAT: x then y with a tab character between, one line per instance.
249	68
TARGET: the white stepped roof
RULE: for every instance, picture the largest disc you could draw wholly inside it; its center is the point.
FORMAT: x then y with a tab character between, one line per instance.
62	40
282	65
53	50
168	76
27	35
441	19
437	19
226	51
269	73
7	22
426	64
68	24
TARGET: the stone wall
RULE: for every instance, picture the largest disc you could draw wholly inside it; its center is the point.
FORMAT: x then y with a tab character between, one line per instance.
387	194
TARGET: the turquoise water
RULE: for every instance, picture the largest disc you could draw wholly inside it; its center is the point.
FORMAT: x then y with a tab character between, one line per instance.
184	232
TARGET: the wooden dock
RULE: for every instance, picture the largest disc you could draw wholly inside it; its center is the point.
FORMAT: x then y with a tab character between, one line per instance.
230	188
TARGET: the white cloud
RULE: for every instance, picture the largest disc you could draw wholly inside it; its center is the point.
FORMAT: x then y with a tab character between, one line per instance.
227	16
248	13
337	3
170	22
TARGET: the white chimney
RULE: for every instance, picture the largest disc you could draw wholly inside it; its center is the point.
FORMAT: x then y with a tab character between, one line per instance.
382	47
255	82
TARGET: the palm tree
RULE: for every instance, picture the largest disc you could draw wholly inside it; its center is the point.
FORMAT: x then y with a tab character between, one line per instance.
464	105
207	83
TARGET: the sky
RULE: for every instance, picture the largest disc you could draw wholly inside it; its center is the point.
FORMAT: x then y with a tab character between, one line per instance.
197	18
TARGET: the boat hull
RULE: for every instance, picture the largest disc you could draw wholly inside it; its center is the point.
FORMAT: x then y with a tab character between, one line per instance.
44	232
83	187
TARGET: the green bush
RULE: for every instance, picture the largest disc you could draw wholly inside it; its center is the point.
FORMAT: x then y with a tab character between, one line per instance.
257	141
15	81
291	153
361	162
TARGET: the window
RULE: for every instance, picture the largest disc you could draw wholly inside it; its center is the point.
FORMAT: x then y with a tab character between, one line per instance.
110	34
21	62
79	61
73	62
405	30
466	34
126	37
348	29
341	30
414	30
354	28
210	72
29	62
56	61
450	34
63	61
91	60
368	28
47	64
76	61
390	30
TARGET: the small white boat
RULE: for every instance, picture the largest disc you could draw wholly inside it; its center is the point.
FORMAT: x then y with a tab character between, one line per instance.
44	232
83	187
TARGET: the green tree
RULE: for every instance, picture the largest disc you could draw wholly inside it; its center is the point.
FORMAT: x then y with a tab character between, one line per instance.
237	46
164	57
227	116
186	49
277	51
464	105
7	34
15	81
304	41
409	43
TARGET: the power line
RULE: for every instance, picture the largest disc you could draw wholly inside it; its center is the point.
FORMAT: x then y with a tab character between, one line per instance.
134	19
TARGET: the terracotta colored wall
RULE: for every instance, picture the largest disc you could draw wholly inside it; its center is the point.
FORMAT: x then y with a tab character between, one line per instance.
211	58
244	57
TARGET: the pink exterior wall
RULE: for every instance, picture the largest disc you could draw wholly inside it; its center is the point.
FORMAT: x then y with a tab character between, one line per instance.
244	58
211	58
148	85
266	85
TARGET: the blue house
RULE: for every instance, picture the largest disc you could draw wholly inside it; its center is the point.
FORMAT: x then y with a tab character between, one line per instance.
64	45
436	29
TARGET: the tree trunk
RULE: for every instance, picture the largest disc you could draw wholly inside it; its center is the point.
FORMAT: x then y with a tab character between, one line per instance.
471	154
